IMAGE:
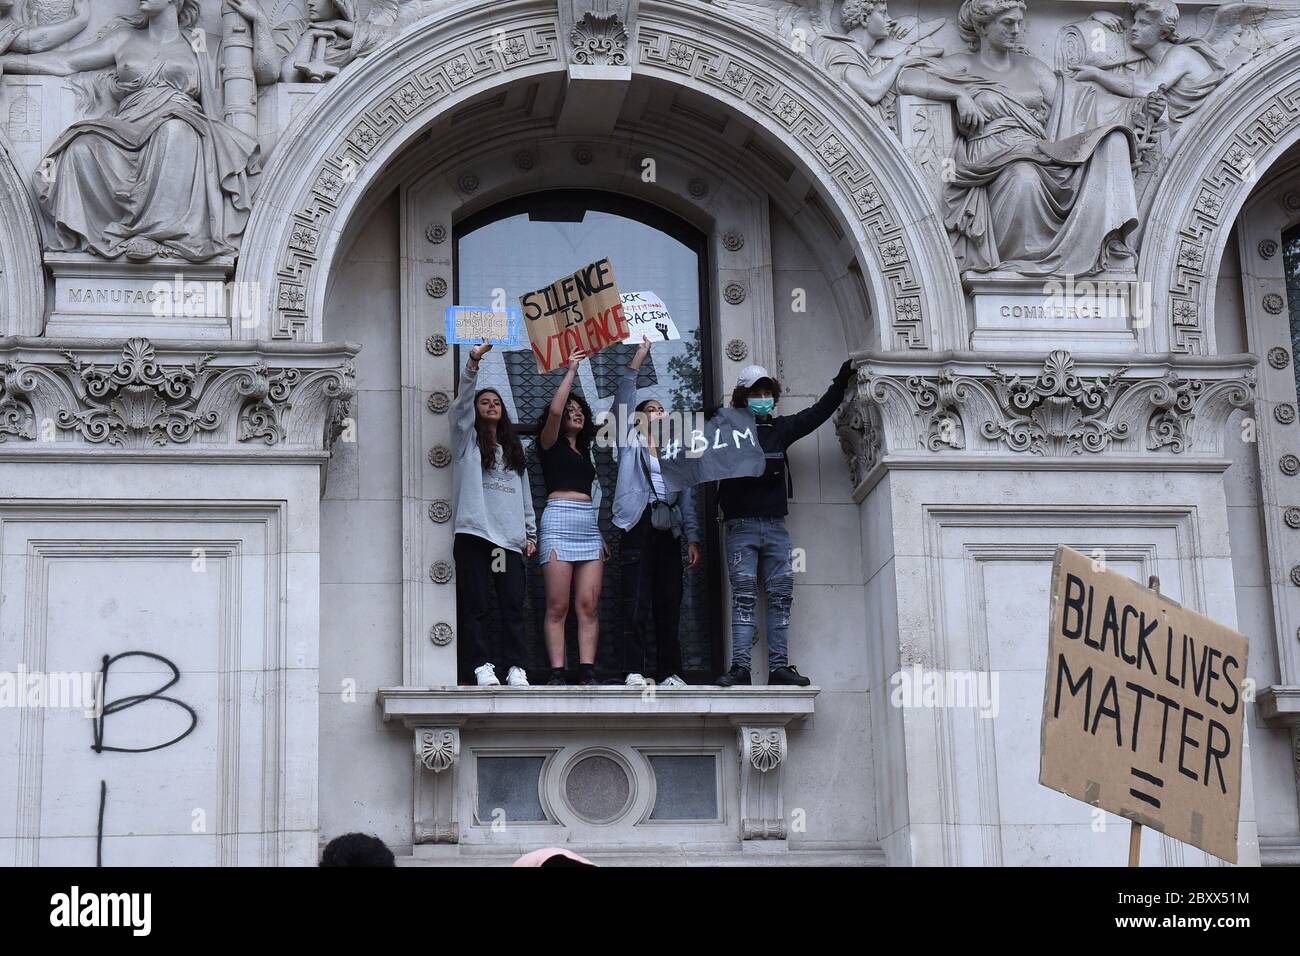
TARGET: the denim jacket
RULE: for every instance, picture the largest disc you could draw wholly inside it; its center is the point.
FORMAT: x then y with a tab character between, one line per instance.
633	492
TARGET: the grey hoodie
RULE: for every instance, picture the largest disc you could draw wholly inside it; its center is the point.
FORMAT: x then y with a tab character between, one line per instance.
497	505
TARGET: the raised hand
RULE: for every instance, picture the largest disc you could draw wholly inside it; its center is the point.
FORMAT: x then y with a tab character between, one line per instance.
576	356
477	352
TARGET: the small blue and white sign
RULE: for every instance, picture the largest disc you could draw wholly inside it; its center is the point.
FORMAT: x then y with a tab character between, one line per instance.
470	325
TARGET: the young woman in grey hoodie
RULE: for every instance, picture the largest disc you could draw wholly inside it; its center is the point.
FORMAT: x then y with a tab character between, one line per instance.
495	530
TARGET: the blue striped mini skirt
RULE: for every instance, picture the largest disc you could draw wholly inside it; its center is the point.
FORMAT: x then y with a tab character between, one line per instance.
569	530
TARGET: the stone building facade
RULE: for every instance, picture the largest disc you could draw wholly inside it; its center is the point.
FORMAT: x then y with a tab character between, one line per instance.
1059	244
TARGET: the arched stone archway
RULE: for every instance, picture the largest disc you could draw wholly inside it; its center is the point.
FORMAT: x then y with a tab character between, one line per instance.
340	146
1217	161
22	281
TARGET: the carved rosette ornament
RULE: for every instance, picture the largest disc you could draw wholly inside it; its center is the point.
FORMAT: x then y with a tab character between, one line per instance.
1273	303
436	233
583	156
440	456
436	345
1050	410
1278	357
437	748
438	402
734	293
599	41
1295	575
1284	413
733	240
440	511
525	160
436	287
440	634
440	572
1267	248
698	188
468	182
1289	464
737	350
1292	517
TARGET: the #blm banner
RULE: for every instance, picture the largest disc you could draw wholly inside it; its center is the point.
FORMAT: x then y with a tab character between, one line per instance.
726	447
648	317
1142	711
469	325
580	311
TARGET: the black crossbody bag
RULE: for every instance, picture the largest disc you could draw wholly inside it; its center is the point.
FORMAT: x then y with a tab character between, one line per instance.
661	512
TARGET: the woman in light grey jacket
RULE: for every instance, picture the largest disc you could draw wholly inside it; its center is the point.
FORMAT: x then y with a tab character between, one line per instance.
650	554
495	530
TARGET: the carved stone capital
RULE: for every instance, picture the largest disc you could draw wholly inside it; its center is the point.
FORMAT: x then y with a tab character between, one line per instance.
437	747
762	765
63	395
968	402
437	759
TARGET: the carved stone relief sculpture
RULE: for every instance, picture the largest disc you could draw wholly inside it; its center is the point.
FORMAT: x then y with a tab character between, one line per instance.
161	173
1041	182
315	48
40	27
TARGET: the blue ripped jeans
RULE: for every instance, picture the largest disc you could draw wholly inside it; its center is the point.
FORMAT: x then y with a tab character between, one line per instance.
759	546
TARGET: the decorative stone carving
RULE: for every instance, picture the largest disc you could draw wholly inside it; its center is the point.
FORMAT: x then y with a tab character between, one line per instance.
437	747
436	287
1289	464
1273	303
734	293
857	428
599	41
1295	575
737	350
525	160
141	401
733	240
1292	517
112	187
320	45
468	182
1284	413
762	765
40	26
440	511
1278	357
440	456
436	233
583	156
1053	410
440	572
698	188
441	634
1267	248
436	344
438	402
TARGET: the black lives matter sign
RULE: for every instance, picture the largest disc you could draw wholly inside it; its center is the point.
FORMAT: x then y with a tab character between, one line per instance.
1142	713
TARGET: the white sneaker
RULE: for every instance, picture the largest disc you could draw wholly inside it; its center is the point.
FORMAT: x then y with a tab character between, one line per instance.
486	676
673	681
634	680
517	677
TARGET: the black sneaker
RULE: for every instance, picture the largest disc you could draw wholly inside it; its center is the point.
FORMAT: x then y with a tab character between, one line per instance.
737	675
557	677
788	675
587	675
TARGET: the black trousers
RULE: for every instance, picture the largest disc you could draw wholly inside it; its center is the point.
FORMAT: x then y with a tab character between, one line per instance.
483	570
651	565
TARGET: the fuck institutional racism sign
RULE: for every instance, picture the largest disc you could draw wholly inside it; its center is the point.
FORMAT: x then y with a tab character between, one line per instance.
1143	707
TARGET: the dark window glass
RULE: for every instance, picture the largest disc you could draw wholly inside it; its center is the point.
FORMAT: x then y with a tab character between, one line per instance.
527	243
1291	262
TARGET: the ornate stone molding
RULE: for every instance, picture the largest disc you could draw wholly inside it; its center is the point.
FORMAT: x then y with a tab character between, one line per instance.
62	394
437	760
1057	407
598	41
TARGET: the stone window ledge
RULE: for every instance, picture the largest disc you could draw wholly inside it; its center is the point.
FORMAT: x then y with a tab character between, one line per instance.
544	707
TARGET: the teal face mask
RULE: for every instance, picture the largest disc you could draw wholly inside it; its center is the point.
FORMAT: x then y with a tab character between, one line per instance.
762	406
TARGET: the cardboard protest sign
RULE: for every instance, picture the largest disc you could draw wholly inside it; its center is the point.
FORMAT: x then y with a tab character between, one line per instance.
648	317
725	447
1143	707
580	311
469	325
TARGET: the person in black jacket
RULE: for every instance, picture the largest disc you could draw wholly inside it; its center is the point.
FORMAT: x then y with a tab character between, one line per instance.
754	510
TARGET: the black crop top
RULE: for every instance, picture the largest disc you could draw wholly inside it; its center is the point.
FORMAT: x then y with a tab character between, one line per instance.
566	469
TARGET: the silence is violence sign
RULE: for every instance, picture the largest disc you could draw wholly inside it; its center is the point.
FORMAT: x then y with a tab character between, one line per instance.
580	311
1143	707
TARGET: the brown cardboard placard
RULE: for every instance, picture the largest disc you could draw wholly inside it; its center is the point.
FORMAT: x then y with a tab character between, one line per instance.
578	311
1142	706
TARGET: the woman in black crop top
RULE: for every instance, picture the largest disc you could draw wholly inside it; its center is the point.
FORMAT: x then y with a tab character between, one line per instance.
571	549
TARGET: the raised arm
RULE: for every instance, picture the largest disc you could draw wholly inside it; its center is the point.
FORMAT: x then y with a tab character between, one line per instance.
555	413
95	56
266	58
40	39
462	407
802	423
625	390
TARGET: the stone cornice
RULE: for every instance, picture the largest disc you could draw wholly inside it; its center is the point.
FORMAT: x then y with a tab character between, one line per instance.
67	397
969	407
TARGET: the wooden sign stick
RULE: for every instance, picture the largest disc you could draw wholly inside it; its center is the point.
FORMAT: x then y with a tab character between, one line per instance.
1135	828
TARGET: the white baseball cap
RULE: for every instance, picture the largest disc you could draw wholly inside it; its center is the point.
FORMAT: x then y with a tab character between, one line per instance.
751	374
